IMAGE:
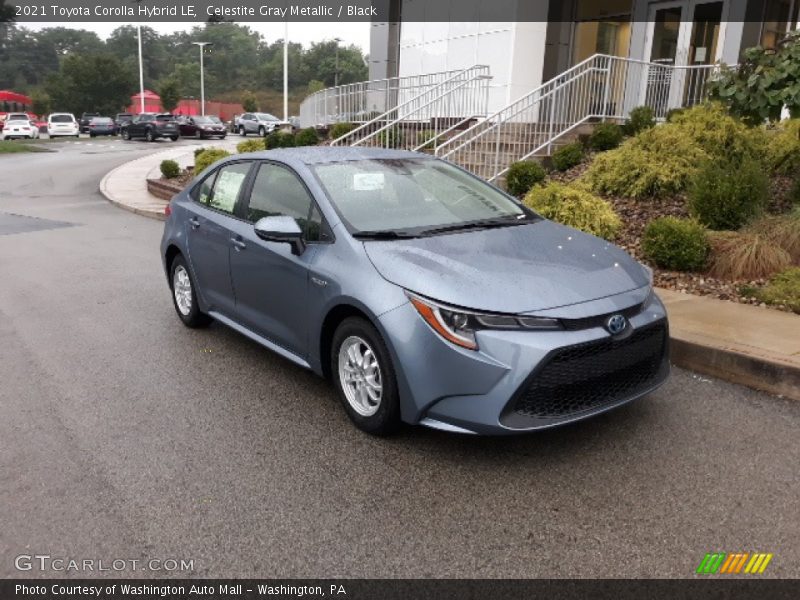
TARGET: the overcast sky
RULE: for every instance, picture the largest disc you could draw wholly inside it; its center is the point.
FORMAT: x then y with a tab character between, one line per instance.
305	33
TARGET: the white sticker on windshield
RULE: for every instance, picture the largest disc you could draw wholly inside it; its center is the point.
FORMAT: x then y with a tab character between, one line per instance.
367	182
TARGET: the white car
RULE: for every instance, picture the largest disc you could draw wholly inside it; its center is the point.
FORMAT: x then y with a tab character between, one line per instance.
62	124
18	125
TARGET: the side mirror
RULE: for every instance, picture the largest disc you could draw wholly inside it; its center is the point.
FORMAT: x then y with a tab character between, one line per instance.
281	229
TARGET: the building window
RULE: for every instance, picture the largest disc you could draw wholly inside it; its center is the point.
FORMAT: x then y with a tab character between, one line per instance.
601	27
780	17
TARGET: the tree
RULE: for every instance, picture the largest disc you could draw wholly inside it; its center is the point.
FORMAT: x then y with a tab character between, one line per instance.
41	103
315	85
249	102
170	95
763	83
100	83
6	12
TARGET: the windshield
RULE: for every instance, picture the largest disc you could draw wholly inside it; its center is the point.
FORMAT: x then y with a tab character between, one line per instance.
413	197
266	117
61	119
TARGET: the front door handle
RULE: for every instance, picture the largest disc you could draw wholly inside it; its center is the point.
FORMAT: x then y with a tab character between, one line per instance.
194	222
238	244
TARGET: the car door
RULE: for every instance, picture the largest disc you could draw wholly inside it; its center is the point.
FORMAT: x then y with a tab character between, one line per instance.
210	231
135	128
271	283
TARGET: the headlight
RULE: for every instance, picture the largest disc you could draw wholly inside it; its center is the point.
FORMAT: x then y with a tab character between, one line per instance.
459	326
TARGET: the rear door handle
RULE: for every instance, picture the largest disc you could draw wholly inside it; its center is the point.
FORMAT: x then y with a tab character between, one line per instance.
238	244
194	222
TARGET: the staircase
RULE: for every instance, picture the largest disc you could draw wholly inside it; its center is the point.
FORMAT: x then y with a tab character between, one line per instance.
601	88
425	118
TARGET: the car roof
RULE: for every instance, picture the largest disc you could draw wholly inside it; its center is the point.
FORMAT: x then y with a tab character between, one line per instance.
313	155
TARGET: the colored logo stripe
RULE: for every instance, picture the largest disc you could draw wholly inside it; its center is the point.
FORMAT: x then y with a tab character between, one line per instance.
733	563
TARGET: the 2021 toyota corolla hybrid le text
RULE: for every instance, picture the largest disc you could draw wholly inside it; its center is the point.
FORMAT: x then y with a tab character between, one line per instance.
427	295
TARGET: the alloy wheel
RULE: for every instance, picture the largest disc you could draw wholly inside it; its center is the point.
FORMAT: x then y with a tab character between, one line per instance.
182	288
360	376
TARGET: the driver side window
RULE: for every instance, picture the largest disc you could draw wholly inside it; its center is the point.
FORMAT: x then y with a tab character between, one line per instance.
277	191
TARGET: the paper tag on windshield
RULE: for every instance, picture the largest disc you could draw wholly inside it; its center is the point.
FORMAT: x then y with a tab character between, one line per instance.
367	182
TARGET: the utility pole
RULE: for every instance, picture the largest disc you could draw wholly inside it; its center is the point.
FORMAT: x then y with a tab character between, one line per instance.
202	46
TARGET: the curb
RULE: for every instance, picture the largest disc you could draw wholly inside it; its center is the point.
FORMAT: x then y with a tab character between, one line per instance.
735	367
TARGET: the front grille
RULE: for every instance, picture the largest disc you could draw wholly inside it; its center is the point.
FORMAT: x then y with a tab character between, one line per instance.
587	376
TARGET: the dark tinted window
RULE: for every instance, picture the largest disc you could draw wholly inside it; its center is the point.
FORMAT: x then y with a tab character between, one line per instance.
277	191
61	119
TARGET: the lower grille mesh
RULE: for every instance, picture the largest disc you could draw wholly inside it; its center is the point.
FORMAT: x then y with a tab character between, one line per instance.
587	376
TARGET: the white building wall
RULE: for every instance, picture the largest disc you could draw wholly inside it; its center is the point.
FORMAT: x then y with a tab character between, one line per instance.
514	51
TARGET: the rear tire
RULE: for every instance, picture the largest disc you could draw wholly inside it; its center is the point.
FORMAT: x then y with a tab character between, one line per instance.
364	376
149	136
262	132
242	131
184	296
126	135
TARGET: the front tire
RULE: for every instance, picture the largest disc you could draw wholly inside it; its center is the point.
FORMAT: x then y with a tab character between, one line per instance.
364	377
126	135
184	296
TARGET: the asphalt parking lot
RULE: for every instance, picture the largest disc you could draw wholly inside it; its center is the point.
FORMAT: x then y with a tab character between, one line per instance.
125	435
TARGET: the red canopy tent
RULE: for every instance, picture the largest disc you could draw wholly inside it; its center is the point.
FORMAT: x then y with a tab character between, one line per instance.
152	103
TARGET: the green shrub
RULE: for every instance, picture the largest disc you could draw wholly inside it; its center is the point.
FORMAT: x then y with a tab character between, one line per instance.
672	113
567	156
726	194
198	151
170	169
523	175
576	207
306	137
794	195
784	148
783	289
254	145
640	118
606	136
340	129
390	138
208	157
662	160
676	244
280	139
425	139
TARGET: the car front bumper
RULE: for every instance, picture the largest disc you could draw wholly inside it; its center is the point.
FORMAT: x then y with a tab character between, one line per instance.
520	381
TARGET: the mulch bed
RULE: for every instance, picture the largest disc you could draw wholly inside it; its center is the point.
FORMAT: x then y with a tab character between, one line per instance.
636	214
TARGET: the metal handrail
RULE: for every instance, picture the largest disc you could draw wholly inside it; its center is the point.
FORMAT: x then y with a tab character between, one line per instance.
601	87
462	95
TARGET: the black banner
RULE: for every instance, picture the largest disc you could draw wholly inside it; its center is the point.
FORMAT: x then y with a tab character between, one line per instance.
391	589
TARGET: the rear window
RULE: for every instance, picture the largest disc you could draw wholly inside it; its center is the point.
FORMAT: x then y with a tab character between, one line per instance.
61	119
102	120
165	118
17	117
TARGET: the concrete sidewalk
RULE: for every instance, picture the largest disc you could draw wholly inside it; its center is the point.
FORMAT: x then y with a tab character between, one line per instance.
126	186
757	347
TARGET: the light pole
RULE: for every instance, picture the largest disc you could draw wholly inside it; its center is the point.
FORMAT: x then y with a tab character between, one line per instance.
141	69
202	46
286	71
336	72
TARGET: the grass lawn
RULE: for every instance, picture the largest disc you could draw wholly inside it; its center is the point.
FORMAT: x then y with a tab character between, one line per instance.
15	146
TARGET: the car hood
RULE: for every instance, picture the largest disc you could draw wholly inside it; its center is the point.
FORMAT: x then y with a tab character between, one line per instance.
519	269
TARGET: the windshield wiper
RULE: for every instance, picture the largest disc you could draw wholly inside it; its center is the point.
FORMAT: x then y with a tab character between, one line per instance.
383	234
487	224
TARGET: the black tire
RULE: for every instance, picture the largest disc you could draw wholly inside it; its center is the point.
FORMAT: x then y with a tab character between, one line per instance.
242	131
126	135
174	138
262	132
198	135
386	420
193	318
149	136
91	135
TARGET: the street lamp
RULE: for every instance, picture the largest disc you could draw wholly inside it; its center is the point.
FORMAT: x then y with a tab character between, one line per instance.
202	46
141	68
336	72
286	71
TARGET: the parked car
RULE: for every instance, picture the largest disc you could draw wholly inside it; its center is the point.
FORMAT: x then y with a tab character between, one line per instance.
86	118
18	125
121	119
62	124
151	126
102	126
201	127
427	295
260	123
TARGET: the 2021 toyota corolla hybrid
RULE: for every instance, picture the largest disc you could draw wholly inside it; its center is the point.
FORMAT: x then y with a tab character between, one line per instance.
427	295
